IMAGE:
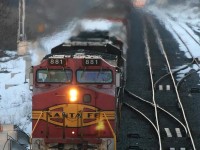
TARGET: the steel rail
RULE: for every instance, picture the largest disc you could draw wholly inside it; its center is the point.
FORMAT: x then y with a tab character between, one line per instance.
161	78
170	16
134	95
185	46
189	34
189	74
152	84
161	46
188	51
130	106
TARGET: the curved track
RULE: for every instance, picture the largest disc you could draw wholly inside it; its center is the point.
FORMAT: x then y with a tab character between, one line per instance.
195	60
159	109
164	53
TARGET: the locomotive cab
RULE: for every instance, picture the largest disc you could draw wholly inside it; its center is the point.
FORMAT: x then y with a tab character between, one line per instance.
76	96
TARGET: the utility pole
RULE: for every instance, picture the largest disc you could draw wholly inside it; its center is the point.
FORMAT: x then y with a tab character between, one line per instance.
22	44
21	29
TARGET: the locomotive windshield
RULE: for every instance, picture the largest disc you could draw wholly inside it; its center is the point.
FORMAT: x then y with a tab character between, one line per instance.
94	76
54	76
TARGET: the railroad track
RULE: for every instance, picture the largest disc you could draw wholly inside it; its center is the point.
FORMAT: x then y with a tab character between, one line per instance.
195	60
173	19
178	99
164	111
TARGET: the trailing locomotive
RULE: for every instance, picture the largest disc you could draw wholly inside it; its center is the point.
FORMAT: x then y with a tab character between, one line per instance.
77	91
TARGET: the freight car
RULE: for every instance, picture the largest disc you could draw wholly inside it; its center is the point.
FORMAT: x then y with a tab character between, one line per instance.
77	92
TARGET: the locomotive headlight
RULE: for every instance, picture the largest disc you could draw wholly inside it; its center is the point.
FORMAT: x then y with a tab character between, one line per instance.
100	125
73	94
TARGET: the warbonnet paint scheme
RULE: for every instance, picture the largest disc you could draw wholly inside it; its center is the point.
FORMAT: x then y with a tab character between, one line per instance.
77	91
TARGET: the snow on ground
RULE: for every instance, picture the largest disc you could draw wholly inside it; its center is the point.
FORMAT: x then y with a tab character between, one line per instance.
183	21
15	97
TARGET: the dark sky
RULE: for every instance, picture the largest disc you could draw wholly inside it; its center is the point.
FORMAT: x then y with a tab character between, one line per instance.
8	24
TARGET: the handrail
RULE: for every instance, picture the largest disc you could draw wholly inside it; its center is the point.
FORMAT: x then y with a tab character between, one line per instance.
36	123
115	141
35	127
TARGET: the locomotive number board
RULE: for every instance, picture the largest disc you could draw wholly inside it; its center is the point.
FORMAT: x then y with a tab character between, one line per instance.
57	62
92	62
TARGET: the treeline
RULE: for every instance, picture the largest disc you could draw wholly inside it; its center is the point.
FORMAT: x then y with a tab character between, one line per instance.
8	24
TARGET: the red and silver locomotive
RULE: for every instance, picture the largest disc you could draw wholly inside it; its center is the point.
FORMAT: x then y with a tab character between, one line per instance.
77	90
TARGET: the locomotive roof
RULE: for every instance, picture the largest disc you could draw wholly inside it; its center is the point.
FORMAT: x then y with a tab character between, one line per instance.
94	34
93	47
92	43
97	36
76	55
82	54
